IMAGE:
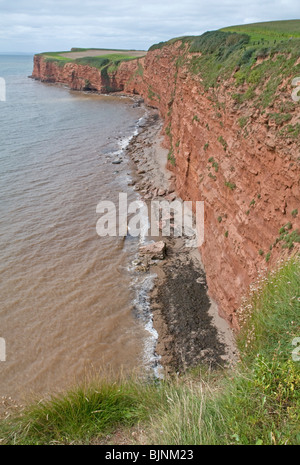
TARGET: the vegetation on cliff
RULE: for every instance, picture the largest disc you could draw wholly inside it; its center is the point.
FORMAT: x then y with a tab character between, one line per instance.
253	65
106	62
270	30
261	55
255	402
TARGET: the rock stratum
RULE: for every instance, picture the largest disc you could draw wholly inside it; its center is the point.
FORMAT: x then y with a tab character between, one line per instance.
233	145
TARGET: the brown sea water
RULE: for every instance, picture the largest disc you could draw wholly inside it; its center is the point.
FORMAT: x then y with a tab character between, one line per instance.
70	301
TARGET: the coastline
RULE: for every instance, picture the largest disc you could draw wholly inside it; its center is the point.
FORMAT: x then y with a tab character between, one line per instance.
188	326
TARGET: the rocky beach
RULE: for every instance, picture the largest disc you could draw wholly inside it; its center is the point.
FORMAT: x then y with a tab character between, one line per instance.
190	330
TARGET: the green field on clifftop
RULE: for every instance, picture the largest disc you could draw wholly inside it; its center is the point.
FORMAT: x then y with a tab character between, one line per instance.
97	58
269	31
260	57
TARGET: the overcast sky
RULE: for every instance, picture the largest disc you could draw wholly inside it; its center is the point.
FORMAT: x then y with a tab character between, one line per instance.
44	25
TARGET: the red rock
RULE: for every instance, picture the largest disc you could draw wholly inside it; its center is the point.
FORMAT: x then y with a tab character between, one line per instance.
155	250
161	192
170	197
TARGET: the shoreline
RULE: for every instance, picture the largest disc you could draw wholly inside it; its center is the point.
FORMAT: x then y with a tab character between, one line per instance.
190	330
178	345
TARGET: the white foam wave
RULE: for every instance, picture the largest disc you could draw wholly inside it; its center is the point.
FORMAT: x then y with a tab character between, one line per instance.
143	311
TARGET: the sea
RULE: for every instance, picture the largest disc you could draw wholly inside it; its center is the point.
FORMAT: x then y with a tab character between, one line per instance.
71	303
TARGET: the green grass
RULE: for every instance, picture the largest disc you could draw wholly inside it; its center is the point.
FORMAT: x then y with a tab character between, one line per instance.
100	61
55	57
260	57
83	413
291	131
263	79
272	316
223	142
280	118
259	401
79	49
230	185
105	63
287	236
268	31
255	402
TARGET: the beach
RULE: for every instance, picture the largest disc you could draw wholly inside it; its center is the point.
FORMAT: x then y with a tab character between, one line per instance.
190	330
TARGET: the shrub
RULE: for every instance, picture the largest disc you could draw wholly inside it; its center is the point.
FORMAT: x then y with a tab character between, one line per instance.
231	185
223	142
246	57
280	118
243	121
223	43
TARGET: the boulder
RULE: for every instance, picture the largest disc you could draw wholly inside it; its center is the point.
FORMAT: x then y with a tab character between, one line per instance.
155	250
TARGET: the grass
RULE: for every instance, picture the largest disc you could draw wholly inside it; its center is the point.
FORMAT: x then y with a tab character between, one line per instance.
105	63
271	318
264	79
260	57
280	118
79	49
223	143
255	402
171	157
85	412
100	61
259	401
268	31
56	58
291	131
287	236
230	185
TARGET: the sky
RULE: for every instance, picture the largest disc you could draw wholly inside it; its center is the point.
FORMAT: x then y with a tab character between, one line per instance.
35	26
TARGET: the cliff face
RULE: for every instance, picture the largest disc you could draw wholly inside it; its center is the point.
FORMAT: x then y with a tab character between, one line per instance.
228	155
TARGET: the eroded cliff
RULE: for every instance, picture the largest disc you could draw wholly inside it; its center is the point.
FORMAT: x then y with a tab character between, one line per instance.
234	145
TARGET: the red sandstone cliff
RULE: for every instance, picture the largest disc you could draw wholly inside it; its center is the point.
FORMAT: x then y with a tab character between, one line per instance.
247	176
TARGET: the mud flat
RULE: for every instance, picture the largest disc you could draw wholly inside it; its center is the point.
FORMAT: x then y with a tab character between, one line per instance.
190	330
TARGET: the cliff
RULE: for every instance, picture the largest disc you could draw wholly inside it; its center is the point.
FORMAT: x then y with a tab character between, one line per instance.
233	140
